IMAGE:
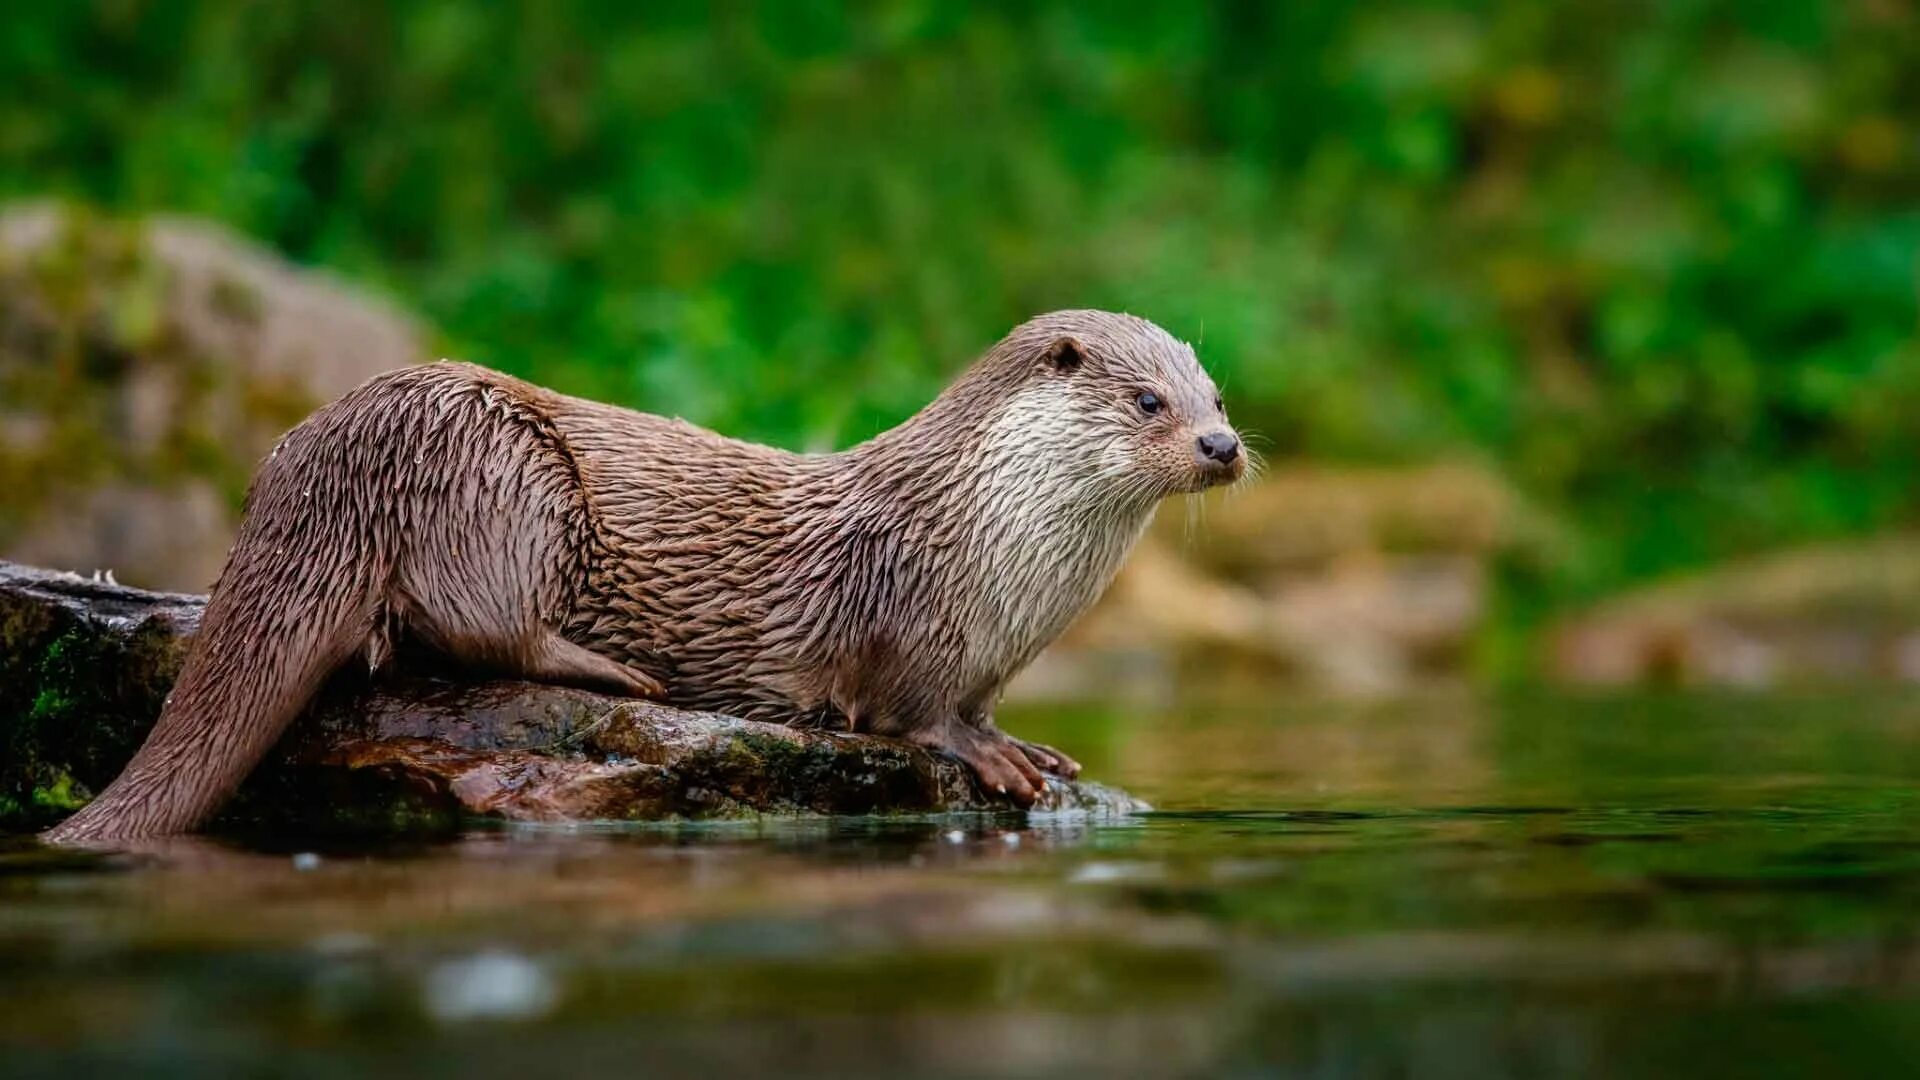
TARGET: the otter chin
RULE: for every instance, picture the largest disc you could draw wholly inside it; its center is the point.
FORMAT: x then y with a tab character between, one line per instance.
891	588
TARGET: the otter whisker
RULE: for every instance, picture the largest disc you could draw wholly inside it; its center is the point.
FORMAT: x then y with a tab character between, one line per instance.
1256	468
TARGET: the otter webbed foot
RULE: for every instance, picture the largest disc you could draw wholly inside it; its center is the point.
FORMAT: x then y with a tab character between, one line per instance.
1002	767
554	659
1002	763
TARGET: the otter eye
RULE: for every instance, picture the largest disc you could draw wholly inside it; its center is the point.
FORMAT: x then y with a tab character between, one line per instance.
1149	402
1220	405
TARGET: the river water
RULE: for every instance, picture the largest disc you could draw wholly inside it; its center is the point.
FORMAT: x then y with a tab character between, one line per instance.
1455	886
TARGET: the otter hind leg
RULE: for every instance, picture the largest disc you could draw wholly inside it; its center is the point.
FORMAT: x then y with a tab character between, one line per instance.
555	659
490	572
522	646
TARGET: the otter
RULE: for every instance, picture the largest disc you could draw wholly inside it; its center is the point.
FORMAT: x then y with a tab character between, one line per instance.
892	588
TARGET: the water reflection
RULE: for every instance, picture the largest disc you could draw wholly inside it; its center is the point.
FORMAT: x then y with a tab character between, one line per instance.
1462	888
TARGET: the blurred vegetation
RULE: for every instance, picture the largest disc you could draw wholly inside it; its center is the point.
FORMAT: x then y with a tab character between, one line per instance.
1654	259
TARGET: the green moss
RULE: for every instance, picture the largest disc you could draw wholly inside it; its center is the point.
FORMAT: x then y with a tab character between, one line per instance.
63	794
76	696
49	703
236	300
63	678
773	761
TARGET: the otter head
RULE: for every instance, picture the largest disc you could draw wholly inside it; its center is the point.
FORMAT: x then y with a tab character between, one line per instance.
1125	402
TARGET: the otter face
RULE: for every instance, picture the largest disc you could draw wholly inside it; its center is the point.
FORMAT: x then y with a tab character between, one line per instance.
1157	419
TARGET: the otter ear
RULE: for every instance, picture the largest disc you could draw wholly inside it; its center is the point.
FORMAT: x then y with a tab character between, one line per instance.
1066	354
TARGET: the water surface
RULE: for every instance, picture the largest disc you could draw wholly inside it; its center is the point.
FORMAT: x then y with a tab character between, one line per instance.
1453	887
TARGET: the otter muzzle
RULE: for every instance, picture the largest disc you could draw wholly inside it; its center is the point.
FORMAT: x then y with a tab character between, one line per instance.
1220	457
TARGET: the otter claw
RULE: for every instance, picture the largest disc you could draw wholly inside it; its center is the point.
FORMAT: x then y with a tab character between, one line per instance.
1047	758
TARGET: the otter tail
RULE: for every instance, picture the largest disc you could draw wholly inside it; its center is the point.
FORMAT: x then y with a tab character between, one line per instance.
297	598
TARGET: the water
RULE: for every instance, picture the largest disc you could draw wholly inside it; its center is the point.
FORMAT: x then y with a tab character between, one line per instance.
1530	886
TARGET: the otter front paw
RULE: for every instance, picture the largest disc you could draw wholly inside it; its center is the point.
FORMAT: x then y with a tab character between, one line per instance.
1000	763
1047	758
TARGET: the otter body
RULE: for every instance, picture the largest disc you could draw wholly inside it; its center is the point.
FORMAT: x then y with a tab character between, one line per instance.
891	588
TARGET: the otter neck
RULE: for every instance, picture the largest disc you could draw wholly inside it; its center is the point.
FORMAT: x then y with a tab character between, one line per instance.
1012	518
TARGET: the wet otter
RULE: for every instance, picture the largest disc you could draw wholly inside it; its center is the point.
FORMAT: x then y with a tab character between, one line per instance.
891	588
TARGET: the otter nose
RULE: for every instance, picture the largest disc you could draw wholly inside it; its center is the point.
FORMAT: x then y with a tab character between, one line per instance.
1220	446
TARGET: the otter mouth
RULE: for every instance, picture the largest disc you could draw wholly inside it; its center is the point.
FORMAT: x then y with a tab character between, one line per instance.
1213	475
1227	474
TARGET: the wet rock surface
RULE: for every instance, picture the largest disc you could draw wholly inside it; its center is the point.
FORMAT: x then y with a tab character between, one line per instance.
85	664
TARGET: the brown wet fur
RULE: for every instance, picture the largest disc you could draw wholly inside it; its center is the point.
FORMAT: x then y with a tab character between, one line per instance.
892	588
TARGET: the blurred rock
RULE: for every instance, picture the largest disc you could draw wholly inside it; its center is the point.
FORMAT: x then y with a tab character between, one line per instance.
1841	612
84	665
144	369
1361	581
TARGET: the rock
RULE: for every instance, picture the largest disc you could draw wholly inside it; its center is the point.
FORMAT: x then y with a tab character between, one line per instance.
1833	613
145	367
85	663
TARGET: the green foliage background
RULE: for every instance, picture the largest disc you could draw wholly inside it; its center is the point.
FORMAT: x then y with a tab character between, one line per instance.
1656	259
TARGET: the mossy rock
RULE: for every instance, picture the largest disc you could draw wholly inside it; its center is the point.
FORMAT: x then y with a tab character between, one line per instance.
84	666
146	365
